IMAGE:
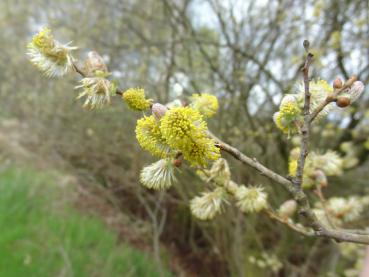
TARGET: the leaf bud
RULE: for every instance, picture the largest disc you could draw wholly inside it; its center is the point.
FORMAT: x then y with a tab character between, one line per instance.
343	101
337	83
158	110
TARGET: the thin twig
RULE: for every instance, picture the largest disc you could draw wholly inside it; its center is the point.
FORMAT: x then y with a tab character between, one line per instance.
305	130
322	199
304	207
237	154
288	223
332	97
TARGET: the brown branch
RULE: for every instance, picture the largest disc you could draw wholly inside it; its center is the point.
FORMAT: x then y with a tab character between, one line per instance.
304	207
252	162
343	236
288	223
356	231
322	199
78	70
231	188
305	130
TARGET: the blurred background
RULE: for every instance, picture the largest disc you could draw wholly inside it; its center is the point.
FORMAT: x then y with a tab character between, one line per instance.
70	200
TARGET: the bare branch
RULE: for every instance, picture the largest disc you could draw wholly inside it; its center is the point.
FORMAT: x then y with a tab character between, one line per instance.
305	130
288	223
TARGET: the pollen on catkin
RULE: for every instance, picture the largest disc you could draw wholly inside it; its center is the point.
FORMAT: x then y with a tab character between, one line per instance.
319	90
220	172
96	91
206	104
49	55
150	138
135	99
184	129
288	116
208	205
317	167
159	175
292	167
251	199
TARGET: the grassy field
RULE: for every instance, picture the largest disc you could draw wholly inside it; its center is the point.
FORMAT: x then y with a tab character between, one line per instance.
42	235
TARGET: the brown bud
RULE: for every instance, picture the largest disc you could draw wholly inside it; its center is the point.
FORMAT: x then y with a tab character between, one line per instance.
177	162
320	178
287	209
337	84
343	101
93	63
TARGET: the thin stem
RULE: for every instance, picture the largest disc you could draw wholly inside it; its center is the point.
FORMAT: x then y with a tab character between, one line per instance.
288	223
332	97
305	130
304	207
322	199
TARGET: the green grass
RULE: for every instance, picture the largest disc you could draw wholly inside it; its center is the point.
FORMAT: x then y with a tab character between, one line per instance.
42	236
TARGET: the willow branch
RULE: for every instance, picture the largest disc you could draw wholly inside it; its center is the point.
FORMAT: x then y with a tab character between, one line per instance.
252	162
305	130
322	199
332	98
356	231
288	223
304	207
231	188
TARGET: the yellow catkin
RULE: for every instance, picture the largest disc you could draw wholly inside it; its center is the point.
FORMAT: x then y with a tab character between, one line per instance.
292	167
43	40
135	99
184	129
149	137
206	104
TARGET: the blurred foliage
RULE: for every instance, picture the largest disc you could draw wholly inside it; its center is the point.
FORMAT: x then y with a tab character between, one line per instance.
245	52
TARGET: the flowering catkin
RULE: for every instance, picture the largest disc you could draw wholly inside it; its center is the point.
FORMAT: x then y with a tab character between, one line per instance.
289	118
206	104
49	55
97	91
251	199
150	138
135	99
184	129
208	205
159	175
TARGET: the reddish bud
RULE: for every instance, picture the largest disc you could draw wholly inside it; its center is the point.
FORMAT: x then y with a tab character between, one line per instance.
177	162
343	101
158	110
321	178
287	209
337	83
